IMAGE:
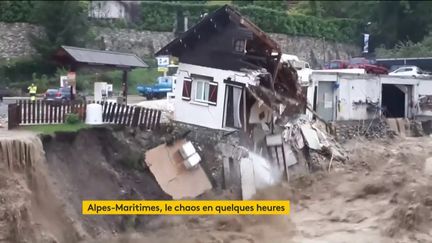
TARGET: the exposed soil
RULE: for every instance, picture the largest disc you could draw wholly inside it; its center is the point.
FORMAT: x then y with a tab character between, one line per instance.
382	194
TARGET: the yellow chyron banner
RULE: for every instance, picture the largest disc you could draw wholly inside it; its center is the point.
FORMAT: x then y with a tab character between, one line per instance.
111	207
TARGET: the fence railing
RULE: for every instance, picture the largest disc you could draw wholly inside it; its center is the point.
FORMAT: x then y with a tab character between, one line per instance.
26	112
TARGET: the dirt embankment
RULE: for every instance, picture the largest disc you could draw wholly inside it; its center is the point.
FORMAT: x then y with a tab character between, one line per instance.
43	182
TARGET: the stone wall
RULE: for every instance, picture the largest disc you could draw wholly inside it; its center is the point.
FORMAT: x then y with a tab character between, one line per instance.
316	51
14	42
371	129
14	39
141	43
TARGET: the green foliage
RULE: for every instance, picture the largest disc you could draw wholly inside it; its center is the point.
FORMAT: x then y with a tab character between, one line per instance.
72	118
161	16
42	83
16	11
22	70
391	21
65	23
53	128
408	49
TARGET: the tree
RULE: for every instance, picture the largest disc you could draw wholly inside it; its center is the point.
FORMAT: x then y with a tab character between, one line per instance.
391	21
64	22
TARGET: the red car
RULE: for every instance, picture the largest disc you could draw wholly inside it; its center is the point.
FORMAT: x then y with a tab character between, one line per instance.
368	65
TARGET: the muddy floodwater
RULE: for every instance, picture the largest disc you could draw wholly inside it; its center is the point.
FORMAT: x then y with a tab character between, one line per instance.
381	194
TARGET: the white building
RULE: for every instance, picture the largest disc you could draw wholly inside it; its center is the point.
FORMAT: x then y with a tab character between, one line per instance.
350	96
108	10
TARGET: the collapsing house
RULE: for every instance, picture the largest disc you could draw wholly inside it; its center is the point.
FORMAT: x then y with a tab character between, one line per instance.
230	78
222	61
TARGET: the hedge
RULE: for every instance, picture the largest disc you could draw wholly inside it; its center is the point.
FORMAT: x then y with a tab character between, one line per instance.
161	16
15	11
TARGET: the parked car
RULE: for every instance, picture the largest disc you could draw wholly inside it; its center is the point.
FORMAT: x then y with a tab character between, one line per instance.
368	65
337	64
55	95
412	71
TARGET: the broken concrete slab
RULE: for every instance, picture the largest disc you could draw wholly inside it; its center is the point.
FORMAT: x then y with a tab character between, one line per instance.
274	140
401	126
290	157
392	123
167	165
311	137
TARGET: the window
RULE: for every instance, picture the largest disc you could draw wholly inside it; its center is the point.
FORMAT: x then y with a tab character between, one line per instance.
204	90
240	45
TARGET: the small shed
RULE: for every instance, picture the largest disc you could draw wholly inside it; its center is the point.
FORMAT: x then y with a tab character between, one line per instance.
75	57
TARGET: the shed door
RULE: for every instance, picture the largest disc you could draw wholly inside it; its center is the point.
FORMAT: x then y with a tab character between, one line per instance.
325	101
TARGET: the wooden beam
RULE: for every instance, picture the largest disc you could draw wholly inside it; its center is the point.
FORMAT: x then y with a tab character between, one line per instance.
125	85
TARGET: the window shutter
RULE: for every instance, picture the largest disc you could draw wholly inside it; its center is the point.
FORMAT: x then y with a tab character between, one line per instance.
187	88
213	93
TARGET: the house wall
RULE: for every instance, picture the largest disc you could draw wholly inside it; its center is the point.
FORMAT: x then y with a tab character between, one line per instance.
201	114
424	89
357	88
107	9
353	93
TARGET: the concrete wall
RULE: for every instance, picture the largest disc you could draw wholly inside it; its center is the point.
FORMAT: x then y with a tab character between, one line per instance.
359	88
199	113
316	51
14	43
353	93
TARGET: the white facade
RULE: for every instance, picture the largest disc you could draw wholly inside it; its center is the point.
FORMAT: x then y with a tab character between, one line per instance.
107	10
343	96
195	111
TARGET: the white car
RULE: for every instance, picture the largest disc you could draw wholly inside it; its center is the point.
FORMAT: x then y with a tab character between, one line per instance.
303	69
412	71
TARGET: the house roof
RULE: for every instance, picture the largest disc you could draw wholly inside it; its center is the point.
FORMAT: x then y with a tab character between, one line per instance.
234	16
97	57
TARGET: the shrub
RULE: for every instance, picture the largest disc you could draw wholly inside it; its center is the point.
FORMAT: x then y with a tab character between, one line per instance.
72	118
16	11
23	70
161	16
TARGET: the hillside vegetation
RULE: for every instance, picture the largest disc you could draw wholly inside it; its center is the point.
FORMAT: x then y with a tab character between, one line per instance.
389	23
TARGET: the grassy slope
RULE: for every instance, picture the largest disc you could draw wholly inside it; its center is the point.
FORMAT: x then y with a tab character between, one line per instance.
52	128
